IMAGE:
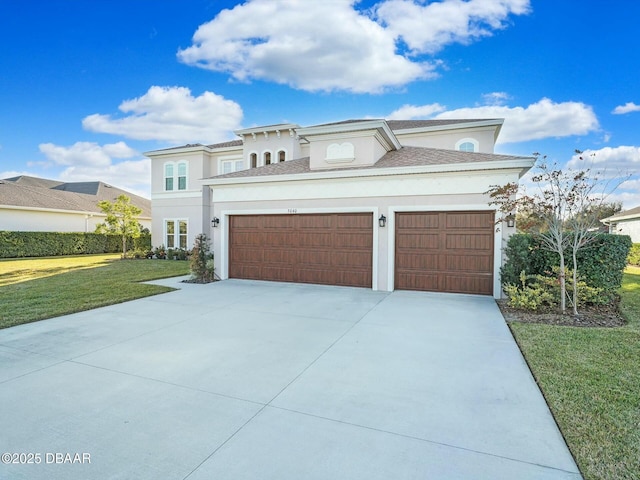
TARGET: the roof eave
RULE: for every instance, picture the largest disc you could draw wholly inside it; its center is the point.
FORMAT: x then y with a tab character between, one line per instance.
522	165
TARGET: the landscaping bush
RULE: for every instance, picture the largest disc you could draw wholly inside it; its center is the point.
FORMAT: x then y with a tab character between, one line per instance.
600	265
634	255
202	265
51	244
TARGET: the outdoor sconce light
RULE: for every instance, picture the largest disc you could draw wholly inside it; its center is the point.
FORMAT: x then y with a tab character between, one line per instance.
511	221
215	221
382	221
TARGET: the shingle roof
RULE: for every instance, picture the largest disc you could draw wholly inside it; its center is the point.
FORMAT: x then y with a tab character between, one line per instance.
410	124
404	157
231	143
632	212
32	192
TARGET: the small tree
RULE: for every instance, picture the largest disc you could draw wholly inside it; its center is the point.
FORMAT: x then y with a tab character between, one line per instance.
202	266
122	219
567	205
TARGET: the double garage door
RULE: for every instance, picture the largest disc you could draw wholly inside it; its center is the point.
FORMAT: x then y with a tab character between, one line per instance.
435	251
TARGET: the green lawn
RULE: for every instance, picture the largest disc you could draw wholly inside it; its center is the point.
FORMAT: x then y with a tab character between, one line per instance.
35	289
591	380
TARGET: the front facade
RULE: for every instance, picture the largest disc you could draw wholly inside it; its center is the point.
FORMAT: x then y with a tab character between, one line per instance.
370	203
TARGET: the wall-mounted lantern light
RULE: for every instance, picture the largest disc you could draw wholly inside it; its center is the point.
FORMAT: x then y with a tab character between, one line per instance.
511	221
382	221
215	221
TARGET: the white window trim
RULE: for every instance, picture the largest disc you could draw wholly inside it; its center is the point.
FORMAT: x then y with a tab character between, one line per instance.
176	176
233	159
261	160
176	233
286	155
476	144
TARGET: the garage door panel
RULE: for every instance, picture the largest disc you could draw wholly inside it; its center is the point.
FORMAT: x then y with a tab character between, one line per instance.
315	239
247	254
466	284
469	241
347	222
351	259
418	241
417	262
464	220
445	251
468	263
421	222
358	240
276	273
332	249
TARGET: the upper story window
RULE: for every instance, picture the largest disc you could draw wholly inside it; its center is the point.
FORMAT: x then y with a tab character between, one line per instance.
253	160
467	145
230	166
267	158
168	176
282	156
175	176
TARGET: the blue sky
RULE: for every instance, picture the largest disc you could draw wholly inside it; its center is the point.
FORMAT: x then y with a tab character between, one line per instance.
87	86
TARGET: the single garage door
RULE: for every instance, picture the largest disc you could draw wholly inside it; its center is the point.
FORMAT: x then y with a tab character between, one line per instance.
331	249
445	251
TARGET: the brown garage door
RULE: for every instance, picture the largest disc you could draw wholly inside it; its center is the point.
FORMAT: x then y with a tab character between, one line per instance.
445	251
332	249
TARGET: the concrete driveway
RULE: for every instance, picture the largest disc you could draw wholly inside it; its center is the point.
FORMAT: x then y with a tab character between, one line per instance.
257	380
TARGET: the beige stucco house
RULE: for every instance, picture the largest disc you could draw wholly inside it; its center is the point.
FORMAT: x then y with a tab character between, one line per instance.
382	204
31	204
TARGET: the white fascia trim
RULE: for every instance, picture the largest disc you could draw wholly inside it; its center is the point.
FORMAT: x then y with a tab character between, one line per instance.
380	125
391	238
609	220
522	164
171	152
454	126
224	226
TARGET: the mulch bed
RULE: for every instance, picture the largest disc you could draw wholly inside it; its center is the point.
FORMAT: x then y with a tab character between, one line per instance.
589	316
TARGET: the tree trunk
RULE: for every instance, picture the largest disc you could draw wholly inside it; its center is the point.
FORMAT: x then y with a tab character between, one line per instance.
575	282
563	284
124	245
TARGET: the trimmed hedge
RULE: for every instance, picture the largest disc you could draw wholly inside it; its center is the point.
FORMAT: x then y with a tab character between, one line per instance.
52	244
601	264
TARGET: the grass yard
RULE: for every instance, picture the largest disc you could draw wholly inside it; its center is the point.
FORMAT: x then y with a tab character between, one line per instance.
35	289
591	380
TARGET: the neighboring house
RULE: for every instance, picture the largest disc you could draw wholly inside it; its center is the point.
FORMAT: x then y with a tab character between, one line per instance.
383	204
30	204
625	223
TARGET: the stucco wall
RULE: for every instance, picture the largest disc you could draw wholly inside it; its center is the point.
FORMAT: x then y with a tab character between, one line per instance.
448	140
628	227
22	220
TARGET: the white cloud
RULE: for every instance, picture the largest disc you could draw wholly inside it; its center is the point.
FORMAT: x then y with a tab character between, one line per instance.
88	161
543	119
410	112
325	46
624	159
626	108
428	28
171	114
496	98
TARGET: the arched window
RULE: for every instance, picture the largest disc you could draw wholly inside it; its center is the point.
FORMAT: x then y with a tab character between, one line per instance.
467	145
267	158
282	156
253	160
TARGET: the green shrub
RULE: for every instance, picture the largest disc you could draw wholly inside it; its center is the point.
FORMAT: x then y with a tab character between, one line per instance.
51	244
634	255
600	264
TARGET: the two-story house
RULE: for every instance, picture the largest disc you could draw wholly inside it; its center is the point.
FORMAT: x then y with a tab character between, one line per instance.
382	204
